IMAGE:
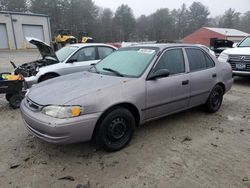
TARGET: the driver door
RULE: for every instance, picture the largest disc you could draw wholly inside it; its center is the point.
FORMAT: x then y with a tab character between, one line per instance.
168	94
81	60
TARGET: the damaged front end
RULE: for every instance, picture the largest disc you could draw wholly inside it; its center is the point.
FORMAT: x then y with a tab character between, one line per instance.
32	68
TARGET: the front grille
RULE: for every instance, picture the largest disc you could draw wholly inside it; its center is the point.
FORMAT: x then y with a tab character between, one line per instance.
240	59
32	105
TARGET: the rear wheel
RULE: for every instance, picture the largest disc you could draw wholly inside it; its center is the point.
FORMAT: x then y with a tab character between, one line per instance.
8	96
215	99
115	130
15	100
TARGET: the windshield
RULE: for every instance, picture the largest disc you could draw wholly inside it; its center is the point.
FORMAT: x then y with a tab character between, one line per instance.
245	42
64	52
130	62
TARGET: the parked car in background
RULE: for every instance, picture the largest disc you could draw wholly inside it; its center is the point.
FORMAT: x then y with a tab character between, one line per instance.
219	45
238	57
130	87
67	60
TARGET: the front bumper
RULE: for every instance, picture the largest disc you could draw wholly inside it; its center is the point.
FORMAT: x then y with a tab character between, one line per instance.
31	81
241	73
59	131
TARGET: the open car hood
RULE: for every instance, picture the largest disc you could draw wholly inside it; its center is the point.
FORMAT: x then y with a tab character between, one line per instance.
44	49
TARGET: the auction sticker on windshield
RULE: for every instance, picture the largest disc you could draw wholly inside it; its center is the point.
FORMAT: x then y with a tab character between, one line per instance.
146	51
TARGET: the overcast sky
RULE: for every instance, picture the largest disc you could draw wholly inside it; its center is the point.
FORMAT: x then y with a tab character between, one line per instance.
216	7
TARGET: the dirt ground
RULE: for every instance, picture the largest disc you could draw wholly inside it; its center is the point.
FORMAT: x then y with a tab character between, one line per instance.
188	149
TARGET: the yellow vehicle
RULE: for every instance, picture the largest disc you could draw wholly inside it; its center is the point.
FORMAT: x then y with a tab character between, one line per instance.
65	37
84	38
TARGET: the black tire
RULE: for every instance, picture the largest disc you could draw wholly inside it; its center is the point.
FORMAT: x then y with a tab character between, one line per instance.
8	96
115	130
47	77
15	101
215	99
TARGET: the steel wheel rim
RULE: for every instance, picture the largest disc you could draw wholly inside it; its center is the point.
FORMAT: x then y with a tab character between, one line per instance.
117	129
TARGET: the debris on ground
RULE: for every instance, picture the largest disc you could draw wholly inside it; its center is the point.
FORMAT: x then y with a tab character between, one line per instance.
83	186
214	145
14	166
245	179
69	178
26	159
186	139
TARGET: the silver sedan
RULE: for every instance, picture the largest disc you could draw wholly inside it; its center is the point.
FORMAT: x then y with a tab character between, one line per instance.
132	86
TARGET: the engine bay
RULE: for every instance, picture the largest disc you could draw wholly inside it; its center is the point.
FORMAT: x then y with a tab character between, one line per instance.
32	68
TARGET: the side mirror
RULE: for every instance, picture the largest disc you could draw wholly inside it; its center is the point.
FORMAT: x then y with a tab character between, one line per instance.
235	45
159	74
72	60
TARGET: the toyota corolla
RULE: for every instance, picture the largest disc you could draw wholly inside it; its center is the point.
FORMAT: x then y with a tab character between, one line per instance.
132	86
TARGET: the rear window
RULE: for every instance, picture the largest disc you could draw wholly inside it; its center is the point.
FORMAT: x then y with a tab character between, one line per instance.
198	60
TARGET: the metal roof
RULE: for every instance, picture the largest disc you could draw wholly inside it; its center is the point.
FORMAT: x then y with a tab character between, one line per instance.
228	32
23	13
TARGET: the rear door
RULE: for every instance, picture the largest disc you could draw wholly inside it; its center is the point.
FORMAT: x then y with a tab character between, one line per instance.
202	75
170	94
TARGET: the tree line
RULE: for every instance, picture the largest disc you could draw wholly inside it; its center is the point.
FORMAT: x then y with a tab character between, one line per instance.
104	25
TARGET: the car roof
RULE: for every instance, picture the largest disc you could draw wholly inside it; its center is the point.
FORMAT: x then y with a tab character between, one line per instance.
165	45
80	45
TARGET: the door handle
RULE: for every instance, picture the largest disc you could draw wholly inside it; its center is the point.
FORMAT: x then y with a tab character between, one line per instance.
185	82
214	75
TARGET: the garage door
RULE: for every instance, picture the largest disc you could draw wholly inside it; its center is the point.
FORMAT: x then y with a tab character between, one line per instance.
3	37
35	31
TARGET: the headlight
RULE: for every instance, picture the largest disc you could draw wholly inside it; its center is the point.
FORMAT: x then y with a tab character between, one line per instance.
37	69
27	92
223	57
62	112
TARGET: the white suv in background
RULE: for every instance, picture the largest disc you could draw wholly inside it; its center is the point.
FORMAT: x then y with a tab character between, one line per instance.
238	57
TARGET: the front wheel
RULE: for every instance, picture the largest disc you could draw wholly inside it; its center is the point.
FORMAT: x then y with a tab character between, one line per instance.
215	99
115	130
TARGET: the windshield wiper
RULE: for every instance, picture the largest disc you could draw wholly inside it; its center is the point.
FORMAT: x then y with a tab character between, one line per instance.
114	71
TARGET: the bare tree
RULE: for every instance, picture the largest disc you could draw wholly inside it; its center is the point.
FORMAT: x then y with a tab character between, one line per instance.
13	5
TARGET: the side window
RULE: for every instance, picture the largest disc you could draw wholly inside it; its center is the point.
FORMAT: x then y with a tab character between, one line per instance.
198	60
173	60
104	52
85	54
210	62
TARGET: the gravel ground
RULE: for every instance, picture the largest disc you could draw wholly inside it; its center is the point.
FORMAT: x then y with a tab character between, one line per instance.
188	149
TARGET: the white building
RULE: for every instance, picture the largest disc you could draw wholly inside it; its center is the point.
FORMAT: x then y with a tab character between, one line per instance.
15	26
